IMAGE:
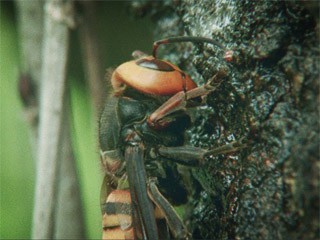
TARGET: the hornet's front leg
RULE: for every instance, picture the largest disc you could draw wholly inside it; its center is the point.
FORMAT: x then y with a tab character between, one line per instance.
165	114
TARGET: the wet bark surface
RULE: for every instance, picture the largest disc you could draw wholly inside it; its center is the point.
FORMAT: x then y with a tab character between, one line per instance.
270	96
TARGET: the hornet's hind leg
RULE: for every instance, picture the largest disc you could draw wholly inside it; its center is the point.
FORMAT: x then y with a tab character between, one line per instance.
177	228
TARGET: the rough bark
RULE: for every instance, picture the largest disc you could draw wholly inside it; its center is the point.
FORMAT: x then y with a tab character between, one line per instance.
269	190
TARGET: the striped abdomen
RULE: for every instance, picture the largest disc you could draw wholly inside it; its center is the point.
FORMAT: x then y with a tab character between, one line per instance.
117	218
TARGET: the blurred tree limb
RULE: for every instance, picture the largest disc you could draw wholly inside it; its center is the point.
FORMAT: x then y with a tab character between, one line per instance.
57	210
30	15
30	23
91	51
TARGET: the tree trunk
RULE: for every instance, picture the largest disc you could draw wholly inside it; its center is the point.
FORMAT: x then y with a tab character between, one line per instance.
268	190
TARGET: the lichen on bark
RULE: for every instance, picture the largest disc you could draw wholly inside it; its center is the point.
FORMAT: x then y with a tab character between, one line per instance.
268	190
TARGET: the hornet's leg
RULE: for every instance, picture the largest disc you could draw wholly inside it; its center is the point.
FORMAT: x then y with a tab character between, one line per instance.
194	156
174	222
164	115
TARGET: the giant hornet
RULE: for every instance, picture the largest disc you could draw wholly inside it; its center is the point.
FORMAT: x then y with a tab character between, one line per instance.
141	134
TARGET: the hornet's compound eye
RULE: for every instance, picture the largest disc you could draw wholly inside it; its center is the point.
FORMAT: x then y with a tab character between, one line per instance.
155	64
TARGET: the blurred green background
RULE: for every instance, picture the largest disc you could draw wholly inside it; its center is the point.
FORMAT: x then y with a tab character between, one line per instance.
121	34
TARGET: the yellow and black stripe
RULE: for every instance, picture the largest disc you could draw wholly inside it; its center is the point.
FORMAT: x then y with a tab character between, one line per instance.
117	219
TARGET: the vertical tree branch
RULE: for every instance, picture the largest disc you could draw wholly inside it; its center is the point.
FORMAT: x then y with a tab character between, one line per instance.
30	22
54	148
30	15
91	50
69	223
